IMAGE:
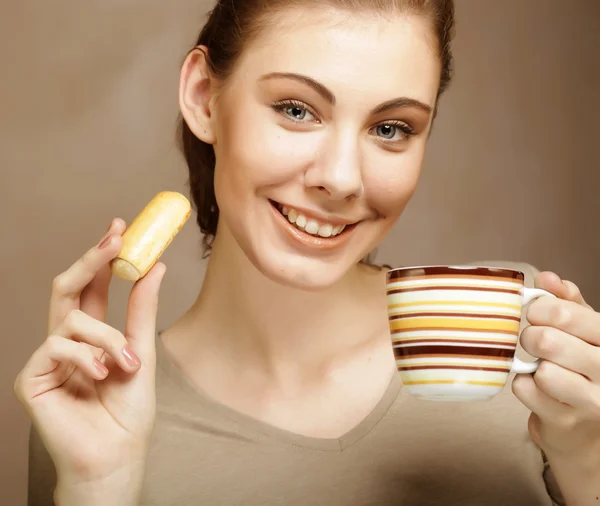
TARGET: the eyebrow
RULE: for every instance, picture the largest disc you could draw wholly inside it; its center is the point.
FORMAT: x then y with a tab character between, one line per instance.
317	86
330	97
402	102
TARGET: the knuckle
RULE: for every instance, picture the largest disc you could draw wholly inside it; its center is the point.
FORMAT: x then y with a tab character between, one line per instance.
534	313
546	343
52	343
543	374
572	289
567	421
73	318
59	284
86	260
83	352
559	315
519	386
114	337
18	386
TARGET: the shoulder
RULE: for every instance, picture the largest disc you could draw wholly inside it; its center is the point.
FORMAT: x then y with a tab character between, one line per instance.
529	270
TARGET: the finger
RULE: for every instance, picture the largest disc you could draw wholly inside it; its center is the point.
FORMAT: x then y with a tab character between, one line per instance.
94	297
67	287
563	289
570	317
563	349
35	379
548	409
562	385
574	293
141	313
79	326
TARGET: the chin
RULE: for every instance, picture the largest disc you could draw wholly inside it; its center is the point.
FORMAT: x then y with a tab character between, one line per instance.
302	273
302	270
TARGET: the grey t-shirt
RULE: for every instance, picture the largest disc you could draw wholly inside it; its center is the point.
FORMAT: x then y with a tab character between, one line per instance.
405	452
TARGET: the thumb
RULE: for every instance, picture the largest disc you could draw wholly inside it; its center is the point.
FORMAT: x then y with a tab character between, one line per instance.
140	329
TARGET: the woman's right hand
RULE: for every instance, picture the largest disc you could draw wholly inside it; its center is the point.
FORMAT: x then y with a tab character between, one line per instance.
89	389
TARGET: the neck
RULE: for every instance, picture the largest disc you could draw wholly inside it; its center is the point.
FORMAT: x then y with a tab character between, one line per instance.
255	321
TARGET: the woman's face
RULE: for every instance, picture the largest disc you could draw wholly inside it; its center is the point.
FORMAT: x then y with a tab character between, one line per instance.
319	136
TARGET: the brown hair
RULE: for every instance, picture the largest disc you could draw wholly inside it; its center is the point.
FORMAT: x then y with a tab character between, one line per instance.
231	25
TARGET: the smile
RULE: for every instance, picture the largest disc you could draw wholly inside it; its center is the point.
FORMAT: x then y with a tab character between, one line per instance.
311	230
310	225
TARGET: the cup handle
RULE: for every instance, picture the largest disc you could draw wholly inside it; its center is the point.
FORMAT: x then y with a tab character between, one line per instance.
518	366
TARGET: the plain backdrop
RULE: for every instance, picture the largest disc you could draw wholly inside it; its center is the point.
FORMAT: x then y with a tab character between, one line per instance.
88	96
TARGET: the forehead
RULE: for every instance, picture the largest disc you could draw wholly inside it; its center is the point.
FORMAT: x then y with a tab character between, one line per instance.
389	55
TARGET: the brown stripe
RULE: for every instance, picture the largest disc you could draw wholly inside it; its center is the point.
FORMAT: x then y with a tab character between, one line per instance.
465	288
494	272
457	329
445	355
460	341
462	315
466	367
456	276
409	351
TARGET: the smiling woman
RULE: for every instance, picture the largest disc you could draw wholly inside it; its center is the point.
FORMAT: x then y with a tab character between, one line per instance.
337	135
304	127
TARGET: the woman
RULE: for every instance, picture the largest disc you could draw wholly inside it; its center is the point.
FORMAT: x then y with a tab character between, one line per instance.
304	127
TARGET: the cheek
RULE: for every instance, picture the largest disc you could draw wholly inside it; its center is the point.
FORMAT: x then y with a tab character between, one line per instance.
391	180
261	153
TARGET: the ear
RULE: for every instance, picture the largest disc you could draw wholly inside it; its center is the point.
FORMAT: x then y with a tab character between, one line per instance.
196	95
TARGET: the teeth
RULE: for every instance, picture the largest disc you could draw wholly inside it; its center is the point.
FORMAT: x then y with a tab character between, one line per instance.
310	226
325	230
301	221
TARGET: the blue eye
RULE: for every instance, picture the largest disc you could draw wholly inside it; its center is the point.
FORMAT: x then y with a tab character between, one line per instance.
386	131
392	131
295	111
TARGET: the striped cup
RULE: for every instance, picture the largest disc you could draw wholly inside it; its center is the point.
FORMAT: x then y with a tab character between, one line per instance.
454	329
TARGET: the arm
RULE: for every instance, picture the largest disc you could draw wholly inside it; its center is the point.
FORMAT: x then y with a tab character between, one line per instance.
43	489
565	402
531	273
577	477
41	480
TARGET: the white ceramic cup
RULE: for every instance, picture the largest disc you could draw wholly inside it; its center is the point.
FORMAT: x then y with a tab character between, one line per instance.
454	329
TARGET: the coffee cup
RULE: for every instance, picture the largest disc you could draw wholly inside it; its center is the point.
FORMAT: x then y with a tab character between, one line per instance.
455	329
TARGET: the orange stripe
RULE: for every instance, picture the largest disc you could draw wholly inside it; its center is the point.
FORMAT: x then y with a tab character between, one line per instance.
453	382
445	340
441	355
392	291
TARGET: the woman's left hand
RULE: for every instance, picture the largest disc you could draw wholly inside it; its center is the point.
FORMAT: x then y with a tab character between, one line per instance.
564	393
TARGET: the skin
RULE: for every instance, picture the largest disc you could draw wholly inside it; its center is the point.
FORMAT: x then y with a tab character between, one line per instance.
332	163
292	347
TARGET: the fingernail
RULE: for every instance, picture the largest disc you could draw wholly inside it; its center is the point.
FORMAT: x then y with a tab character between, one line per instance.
100	367
131	357
105	242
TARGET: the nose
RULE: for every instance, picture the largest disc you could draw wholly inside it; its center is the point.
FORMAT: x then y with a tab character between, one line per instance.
338	170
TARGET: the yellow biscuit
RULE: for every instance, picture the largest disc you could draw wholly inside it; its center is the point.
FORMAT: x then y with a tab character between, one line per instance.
150	234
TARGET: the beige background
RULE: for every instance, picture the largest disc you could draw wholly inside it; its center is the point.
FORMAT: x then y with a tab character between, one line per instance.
88	108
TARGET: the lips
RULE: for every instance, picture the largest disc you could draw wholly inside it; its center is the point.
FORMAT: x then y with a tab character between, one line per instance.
308	224
311	231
